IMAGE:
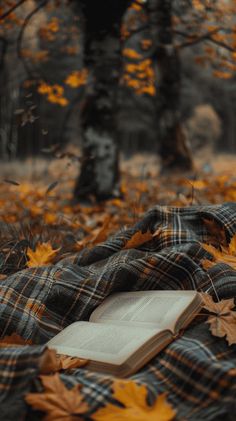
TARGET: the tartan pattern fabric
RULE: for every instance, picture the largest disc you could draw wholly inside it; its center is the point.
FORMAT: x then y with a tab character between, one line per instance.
197	370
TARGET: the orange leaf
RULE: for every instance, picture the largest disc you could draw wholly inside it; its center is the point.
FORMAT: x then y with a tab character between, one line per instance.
128	52
134	399
221	256
232	245
67	363
42	255
138	239
101	234
222	75
60	403
52	362
49	362
223	321
216	231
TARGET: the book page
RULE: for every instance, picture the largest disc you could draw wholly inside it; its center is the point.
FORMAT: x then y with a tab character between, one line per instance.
144	308
98	342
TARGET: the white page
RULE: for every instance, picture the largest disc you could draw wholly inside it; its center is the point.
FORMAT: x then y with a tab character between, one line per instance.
144	308
104	343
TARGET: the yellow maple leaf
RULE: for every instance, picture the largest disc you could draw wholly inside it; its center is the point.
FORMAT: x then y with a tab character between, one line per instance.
43	254
77	78
59	403
134	399
225	255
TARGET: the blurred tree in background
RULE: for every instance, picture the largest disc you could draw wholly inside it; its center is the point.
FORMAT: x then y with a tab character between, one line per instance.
114	75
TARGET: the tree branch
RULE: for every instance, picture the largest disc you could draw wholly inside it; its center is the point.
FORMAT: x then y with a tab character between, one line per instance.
9	11
21	34
196	40
222	44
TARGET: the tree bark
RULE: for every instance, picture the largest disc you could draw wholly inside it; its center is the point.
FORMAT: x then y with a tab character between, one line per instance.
99	176
174	150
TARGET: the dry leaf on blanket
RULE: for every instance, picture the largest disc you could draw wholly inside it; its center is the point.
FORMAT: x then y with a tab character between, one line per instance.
138	239
14	339
232	246
225	255
134	399
223	320
52	362
49	362
60	403
217	232
42	255
67	363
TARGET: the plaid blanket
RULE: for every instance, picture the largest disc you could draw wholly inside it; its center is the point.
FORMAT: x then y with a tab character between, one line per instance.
197	370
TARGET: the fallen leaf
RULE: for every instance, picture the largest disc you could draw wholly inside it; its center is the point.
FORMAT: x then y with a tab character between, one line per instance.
216	231
14	339
223	320
67	363
102	233
232	245
52	362
220	256
138	239
134	399
198	184
49	362
60	403
42	255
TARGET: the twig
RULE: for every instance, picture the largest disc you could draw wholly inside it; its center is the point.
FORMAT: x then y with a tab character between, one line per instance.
9	11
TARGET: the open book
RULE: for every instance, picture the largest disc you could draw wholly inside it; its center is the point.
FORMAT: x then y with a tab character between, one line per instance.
128	329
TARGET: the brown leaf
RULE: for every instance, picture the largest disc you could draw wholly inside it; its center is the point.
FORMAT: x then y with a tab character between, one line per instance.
14	339
49	362
52	362
232	245
67	363
102	233
217	232
59	403
223	320
138	239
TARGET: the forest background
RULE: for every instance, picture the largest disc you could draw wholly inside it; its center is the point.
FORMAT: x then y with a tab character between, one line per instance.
102	109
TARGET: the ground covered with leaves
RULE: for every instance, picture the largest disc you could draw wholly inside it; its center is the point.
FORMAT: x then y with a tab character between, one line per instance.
41	224
37	212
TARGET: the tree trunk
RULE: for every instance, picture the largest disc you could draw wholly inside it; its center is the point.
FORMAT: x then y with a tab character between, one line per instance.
174	150
99	176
